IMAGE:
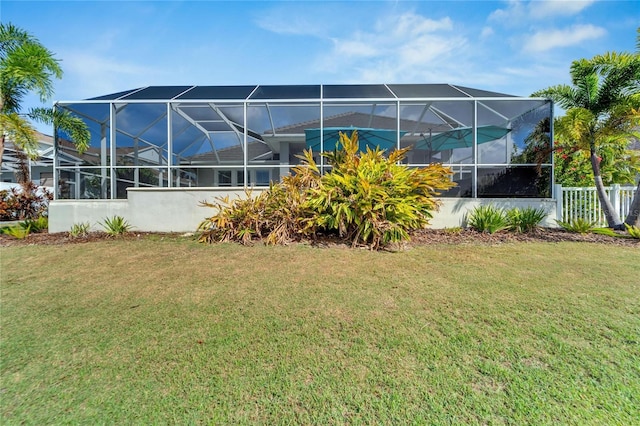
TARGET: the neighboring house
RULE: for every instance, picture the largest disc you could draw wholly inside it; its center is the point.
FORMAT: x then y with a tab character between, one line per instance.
40	169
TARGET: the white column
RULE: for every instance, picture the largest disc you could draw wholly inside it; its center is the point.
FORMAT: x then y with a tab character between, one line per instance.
284	159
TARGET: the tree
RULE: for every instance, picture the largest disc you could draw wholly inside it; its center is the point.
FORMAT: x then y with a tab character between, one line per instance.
618	163
27	66
603	110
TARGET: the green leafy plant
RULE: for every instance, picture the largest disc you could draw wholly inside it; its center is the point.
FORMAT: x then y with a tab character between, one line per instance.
524	220
17	231
578	224
366	198
605	231
488	218
633	231
79	229
456	230
116	226
40	224
372	199
25	202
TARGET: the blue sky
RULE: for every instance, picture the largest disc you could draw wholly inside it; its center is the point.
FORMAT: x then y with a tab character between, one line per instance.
513	47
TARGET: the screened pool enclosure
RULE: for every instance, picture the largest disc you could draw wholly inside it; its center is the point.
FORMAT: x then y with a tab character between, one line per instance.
237	136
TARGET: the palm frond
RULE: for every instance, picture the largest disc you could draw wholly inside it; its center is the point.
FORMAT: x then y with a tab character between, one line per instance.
11	37
32	67
63	120
577	125
562	94
11	98
20	132
580	69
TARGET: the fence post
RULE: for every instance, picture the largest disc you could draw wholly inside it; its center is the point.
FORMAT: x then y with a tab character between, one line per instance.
559	201
614	196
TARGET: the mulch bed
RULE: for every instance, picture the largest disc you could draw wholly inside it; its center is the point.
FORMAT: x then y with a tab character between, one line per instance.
422	237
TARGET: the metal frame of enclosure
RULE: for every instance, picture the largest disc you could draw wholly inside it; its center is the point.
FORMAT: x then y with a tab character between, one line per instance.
497	145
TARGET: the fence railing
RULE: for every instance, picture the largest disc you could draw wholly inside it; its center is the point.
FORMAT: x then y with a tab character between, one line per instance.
575	202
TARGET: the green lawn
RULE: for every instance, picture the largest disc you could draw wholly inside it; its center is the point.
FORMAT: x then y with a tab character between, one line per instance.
172	332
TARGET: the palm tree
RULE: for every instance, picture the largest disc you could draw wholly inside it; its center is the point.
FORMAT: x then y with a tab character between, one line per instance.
603	107
27	66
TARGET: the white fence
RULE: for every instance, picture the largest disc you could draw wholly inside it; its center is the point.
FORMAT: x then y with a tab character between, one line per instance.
583	202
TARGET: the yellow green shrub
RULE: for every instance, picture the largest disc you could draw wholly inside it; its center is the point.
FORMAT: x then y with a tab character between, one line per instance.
366	198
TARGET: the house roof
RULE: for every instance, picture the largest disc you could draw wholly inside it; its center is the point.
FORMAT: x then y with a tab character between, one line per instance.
296	92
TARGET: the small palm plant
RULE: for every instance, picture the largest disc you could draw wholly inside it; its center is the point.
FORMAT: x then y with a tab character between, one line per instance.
17	231
578	224
525	220
633	231
40	224
79	230
116	226
488	218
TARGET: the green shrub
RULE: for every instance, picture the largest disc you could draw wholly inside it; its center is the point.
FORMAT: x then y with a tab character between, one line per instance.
25	202
366	198
371	199
40	224
633	231
524	220
277	215
488	218
578	224
79	229
456	230
116	226
605	231
17	231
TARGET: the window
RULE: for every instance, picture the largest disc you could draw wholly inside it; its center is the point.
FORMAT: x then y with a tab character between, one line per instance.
224	178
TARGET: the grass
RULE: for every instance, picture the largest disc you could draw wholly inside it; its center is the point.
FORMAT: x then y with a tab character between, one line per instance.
170	332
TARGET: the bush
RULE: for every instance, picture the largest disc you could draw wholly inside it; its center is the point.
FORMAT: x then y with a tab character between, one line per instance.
578	224
25	202
17	231
277	215
116	226
40	224
366	198
79	229
524	220
633	231
371	199
488	219
605	231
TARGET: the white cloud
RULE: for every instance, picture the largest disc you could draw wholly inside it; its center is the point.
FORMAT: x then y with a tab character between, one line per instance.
487	32
358	46
298	25
398	48
295	19
515	10
550	39
88	74
518	11
551	8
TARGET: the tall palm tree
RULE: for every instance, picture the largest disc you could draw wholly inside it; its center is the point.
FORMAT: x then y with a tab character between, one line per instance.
603	106
27	66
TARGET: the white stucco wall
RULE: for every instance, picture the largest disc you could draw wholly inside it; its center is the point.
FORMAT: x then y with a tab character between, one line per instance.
146	209
453	210
179	210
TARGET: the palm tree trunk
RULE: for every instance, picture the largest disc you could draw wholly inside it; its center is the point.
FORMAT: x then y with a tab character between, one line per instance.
633	218
612	216
1	148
